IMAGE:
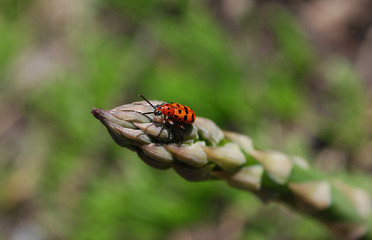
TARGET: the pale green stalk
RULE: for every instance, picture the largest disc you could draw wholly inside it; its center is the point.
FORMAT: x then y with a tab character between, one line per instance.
207	152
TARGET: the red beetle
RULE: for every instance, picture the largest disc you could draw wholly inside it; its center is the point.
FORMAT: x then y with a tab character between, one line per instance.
172	112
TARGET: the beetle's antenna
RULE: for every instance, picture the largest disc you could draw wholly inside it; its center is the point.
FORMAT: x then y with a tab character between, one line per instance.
147	100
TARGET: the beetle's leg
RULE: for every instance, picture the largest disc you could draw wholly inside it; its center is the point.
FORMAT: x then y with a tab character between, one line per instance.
183	131
148	113
161	130
162	127
171	127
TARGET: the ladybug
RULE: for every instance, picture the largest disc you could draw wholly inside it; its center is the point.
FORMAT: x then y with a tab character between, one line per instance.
172	113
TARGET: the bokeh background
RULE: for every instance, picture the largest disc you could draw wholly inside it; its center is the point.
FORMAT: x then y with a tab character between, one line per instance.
296	76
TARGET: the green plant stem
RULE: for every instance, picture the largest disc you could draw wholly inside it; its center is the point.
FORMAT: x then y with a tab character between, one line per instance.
205	152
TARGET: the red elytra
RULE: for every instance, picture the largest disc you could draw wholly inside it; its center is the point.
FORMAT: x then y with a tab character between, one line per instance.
173	111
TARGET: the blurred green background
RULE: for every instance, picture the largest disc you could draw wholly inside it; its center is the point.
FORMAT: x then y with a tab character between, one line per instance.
295	76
